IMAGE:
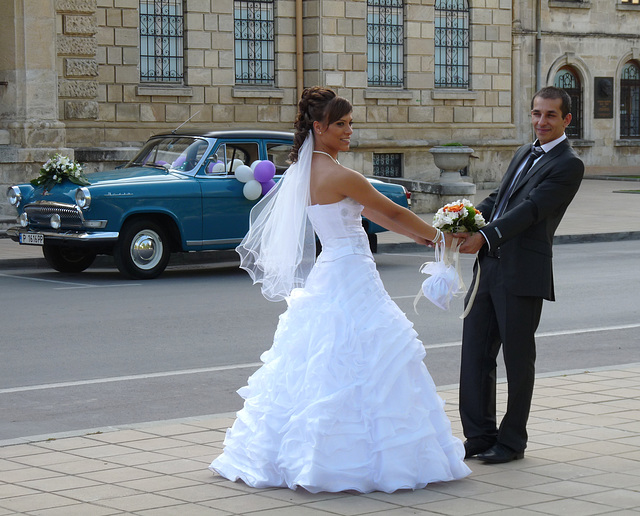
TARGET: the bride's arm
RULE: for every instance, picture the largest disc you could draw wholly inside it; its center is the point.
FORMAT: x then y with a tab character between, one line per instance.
382	210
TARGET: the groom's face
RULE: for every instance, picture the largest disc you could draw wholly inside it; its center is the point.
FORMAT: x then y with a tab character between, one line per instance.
547	120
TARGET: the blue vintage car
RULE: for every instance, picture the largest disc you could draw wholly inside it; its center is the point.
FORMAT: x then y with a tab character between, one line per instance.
179	193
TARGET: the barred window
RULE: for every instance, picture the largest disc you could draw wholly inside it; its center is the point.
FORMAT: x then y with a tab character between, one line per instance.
254	42
161	41
634	2
385	42
452	44
568	80
387	165
630	101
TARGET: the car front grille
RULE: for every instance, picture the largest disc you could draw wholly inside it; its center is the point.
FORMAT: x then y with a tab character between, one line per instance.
39	214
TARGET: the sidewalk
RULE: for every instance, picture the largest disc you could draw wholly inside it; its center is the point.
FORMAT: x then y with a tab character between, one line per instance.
583	459
583	456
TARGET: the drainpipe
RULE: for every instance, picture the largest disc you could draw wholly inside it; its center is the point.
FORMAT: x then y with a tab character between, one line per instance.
538	45
299	50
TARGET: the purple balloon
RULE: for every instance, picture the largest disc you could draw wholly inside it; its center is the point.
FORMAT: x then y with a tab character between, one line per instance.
268	185
179	162
264	171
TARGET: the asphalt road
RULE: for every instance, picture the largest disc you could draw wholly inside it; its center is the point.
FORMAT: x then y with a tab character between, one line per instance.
89	351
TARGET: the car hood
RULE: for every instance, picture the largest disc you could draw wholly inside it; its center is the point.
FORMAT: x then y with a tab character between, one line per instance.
131	175
107	181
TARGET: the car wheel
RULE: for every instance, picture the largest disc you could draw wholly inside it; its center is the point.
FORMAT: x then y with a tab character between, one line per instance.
65	259
142	250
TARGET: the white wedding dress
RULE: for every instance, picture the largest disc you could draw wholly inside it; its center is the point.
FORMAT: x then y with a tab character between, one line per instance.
343	400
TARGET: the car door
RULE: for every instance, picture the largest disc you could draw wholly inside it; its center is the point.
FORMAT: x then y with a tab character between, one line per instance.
225	209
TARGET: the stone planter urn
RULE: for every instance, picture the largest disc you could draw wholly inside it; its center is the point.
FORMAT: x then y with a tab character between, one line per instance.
450	159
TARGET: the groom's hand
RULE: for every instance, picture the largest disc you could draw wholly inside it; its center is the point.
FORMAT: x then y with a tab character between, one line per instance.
472	242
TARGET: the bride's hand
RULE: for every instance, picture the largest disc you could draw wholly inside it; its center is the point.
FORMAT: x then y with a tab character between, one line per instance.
420	240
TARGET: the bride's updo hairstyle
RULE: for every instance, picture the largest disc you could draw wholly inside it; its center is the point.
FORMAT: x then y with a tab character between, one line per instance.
317	104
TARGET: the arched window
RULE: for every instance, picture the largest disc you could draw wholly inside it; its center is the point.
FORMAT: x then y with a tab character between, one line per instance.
568	80
254	36
452	44
161	41
630	101
385	42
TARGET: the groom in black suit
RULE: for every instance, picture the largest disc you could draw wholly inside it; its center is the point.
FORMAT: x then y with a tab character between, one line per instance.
515	274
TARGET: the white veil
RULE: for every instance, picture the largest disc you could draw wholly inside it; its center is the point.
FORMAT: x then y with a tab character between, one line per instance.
279	248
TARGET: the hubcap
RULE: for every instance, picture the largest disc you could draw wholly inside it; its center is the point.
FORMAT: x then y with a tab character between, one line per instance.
146	249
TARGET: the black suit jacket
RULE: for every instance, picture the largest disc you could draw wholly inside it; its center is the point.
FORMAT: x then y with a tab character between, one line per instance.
524	233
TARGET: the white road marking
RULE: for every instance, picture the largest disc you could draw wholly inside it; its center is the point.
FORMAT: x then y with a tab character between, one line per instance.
258	364
70	284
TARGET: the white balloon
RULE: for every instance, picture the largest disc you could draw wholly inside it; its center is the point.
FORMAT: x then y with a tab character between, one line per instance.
244	174
253	165
218	168
236	163
252	190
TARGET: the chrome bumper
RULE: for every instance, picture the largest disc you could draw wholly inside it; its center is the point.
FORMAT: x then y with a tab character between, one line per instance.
67	236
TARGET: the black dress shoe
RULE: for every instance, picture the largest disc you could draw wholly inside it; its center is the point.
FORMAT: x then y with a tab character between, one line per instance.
474	446
499	454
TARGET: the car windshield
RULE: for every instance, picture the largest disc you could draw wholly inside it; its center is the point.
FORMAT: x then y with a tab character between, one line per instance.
179	154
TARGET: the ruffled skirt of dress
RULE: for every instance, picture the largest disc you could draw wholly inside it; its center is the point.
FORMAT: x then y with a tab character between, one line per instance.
343	400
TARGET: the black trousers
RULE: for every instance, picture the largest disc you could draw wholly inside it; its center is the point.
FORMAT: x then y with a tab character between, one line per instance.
496	319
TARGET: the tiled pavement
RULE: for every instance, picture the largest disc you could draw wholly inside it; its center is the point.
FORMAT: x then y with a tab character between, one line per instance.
583	459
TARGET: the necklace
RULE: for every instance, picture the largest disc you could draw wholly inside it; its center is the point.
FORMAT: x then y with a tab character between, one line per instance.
327	154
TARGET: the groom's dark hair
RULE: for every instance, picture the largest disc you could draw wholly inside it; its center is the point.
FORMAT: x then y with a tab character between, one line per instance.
551	92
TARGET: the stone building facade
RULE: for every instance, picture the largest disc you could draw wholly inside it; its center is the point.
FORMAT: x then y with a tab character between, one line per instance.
74	77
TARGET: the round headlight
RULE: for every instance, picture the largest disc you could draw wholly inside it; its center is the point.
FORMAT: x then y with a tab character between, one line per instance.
83	197
55	221
14	195
23	219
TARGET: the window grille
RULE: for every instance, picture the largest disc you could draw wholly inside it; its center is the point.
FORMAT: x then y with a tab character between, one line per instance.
385	43
630	101
387	165
632	2
161	41
254	42
569	82
451	44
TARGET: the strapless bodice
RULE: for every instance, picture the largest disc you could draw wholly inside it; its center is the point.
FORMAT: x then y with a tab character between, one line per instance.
339	228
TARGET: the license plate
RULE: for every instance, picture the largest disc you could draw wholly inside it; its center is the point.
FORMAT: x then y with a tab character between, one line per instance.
31	239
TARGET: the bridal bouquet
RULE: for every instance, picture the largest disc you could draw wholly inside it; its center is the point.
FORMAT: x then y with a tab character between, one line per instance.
459	217
58	168
445	280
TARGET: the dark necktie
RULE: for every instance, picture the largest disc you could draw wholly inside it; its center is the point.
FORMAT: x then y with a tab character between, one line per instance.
536	152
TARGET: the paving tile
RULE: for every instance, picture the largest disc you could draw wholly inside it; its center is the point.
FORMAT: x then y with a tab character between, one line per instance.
570	506
248	503
568	488
613	480
611	464
623	498
116	474
559	454
120	436
59	483
353	506
184	510
516	497
140	502
34	502
14	491
461	507
170	467
565	471
78	509
156	483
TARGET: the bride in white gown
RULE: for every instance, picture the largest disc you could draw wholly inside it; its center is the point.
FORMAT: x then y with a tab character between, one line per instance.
343	400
